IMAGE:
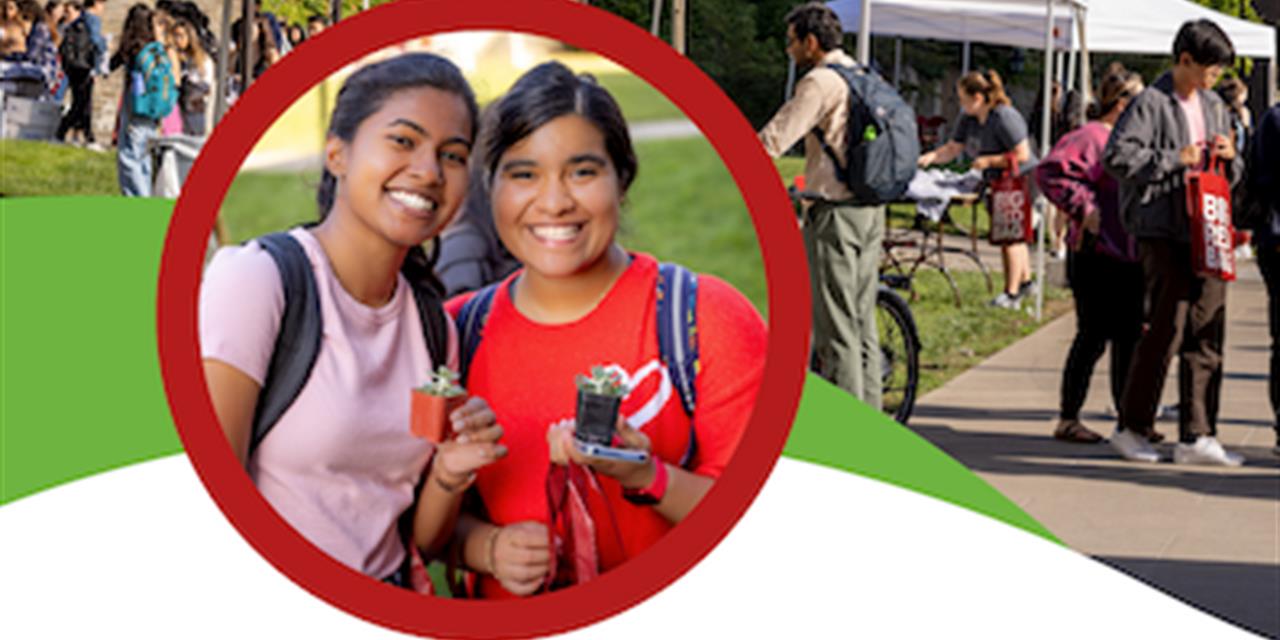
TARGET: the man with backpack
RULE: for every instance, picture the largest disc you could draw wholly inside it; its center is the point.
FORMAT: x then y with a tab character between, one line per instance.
82	50
838	105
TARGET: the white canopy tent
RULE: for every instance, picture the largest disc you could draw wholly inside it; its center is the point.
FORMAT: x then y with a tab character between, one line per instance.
1133	26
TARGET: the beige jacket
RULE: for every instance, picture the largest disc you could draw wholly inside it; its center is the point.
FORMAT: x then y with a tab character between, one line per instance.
821	100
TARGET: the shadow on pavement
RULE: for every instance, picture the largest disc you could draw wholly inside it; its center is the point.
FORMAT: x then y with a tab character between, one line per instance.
1020	454
1244	594
1102	422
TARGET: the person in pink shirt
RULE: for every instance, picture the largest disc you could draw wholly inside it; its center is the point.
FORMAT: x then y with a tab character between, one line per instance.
1176	124
340	465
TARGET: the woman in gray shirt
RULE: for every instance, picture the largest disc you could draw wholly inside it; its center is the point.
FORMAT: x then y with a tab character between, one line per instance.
989	129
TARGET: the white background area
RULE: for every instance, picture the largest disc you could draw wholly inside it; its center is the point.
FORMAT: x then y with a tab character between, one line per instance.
143	552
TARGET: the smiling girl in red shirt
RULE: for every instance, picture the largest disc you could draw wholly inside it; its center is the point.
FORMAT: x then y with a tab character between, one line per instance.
558	161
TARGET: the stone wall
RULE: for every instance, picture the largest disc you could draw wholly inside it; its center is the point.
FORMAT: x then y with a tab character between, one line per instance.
106	91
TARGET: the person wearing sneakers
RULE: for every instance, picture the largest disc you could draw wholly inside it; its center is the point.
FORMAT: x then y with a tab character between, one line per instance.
1266	185
1169	128
989	129
1102	267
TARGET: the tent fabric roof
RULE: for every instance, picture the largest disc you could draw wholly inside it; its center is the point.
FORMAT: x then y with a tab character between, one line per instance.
1133	26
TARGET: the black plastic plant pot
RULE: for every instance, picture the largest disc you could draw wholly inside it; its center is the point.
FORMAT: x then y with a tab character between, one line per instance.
597	417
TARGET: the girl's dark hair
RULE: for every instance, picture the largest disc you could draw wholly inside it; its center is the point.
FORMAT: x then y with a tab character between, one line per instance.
1230	89
1118	85
362	94
138	32
986	84
544	93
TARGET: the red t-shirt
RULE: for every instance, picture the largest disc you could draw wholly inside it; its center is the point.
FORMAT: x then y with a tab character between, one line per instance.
526	372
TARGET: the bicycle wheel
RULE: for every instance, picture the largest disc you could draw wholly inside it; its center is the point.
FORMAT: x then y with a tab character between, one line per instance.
899	353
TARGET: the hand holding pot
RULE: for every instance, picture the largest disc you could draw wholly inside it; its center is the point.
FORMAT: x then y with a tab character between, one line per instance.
474	444
631	475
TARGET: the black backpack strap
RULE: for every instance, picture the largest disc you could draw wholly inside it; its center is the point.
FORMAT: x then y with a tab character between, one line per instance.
841	164
298	341
677	312
435	323
470	322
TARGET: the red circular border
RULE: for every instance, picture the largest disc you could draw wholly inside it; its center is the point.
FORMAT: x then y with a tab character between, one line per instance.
785	270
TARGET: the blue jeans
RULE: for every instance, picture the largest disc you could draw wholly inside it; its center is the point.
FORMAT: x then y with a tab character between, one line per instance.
133	158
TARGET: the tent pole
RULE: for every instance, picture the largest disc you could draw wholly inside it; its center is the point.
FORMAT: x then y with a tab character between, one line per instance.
864	35
220	78
1073	57
897	63
1271	81
1086	74
657	18
964	58
1044	146
791	79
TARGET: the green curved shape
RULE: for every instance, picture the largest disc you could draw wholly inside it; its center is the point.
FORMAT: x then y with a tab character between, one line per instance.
80	388
835	430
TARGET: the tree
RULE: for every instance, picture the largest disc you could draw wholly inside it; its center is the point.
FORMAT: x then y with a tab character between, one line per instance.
738	44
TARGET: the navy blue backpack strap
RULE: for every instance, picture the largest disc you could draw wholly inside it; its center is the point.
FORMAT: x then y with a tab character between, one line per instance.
470	321
298	341
678	340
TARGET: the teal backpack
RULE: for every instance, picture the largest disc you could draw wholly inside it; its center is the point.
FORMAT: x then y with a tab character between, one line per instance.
154	89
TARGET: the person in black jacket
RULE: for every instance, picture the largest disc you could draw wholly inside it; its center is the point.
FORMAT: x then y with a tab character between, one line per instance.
1266	188
1170	128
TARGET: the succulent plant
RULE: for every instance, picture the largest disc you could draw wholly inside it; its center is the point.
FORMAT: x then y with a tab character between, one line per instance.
443	382
602	382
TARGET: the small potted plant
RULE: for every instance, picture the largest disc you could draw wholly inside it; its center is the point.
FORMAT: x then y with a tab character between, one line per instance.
599	399
431	402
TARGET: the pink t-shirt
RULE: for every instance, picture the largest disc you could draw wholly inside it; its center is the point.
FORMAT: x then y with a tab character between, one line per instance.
340	466
1194	113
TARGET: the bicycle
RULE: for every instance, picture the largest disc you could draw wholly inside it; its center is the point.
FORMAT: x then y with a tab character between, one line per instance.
898	338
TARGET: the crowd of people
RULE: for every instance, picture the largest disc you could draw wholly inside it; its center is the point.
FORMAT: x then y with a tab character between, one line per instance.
166	55
1119	180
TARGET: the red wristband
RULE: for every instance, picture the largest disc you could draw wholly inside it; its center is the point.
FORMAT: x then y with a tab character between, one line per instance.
653	493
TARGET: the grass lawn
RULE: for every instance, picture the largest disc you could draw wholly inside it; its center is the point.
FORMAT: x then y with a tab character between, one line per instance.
640	102
683	207
954	339
31	168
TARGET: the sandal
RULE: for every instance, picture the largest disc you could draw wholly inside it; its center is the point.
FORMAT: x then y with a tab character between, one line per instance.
1075	431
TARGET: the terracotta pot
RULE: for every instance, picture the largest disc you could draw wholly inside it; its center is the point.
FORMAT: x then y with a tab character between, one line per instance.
428	415
597	417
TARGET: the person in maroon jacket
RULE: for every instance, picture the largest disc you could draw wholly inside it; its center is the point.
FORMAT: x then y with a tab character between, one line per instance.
1102	267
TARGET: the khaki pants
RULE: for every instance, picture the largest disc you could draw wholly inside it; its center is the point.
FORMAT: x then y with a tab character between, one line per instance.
843	245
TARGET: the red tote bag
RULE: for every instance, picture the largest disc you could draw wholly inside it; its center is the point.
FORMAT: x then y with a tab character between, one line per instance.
1212	234
1010	205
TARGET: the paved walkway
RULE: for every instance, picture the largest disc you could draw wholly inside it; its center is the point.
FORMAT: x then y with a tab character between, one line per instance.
1210	536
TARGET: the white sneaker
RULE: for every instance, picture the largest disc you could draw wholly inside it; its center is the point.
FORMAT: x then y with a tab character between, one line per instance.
1006	301
1133	447
1206	450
